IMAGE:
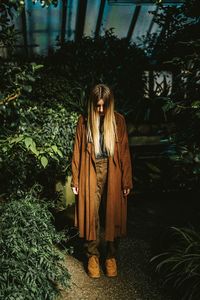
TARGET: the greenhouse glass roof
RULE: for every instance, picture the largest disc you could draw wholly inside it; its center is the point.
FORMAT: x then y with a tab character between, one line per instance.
42	28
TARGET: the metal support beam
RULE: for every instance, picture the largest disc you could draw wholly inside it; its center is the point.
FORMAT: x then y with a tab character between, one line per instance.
64	20
152	21
24	30
133	22
80	20
141	2
151	83
100	16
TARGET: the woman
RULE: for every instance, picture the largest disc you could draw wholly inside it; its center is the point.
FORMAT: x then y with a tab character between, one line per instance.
101	174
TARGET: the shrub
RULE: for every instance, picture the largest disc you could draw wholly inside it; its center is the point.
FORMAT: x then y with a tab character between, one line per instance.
31	265
39	146
180	265
178	49
106	59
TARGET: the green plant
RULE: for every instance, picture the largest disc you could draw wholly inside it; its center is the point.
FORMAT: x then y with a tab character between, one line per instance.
39	147
8	10
105	59
180	265
184	108
35	142
177	50
176	23
8	34
54	87
33	133
31	264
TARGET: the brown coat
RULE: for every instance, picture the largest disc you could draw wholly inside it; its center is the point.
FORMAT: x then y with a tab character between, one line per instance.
84	177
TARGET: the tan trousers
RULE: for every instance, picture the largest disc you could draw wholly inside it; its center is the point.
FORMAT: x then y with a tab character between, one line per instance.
92	247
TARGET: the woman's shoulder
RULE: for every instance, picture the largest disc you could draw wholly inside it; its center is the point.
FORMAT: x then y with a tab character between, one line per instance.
119	117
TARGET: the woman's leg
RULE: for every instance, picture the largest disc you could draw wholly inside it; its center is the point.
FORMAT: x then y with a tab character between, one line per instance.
101	173
111	248
93	246
111	264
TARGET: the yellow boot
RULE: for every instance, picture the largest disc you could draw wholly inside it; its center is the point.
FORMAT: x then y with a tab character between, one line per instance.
93	267
111	267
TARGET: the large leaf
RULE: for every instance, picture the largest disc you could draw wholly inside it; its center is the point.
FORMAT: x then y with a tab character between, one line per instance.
44	161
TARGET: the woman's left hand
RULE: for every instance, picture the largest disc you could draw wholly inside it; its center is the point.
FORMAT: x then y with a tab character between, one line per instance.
126	192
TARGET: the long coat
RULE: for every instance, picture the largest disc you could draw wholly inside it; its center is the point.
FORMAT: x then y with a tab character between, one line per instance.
84	177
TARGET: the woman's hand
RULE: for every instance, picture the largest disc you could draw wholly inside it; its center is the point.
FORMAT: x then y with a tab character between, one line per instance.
75	190
126	192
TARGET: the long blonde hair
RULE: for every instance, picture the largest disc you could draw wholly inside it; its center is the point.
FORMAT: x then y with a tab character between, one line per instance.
101	91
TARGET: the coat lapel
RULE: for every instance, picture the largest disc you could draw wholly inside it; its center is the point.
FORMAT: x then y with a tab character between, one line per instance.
90	149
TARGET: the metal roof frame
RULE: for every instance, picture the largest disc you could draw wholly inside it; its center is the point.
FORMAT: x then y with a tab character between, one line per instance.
142	2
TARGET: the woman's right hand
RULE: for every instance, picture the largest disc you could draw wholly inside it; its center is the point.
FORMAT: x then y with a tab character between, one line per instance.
75	190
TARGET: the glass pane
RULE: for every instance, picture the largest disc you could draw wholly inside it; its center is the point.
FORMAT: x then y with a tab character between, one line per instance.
91	17
118	17
17	20
43	26
143	22
72	7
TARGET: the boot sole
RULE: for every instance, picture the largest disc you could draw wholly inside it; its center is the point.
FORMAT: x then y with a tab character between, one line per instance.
111	275
94	276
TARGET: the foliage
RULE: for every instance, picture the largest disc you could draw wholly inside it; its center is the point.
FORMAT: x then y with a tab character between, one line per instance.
53	87
35	135
184	102
42	139
35	146
106	59
46	3
180	265
177	49
176	22
184	107
16	79
167	167
31	266
8	34
8	10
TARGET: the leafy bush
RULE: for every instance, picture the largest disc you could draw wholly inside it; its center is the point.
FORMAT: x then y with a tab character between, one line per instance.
33	134
106	59
35	146
177	49
31	265
178	23
180	265
54	87
40	146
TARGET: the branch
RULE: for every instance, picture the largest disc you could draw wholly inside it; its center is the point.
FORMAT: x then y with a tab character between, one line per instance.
11	97
186	107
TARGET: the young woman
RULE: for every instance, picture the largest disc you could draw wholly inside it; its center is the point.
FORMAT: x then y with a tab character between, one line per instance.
101	174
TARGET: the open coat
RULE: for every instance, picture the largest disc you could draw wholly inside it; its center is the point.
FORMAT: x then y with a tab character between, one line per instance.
84	177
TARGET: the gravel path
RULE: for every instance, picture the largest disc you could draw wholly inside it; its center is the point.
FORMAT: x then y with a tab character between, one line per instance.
136	278
132	281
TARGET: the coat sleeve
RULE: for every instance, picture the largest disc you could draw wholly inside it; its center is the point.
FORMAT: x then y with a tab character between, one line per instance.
76	154
125	157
